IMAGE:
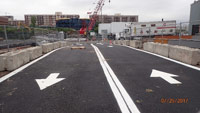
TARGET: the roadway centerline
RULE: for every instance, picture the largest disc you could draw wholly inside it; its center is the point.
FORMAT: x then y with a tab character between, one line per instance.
124	101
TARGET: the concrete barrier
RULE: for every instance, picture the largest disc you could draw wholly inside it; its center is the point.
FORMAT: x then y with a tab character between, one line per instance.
16	59
47	47
122	42
56	45
149	46
116	42
3	61
136	43
25	56
69	43
63	44
35	52
161	49
185	54
128	42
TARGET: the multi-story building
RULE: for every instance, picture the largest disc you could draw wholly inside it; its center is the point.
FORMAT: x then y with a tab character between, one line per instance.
16	22
3	20
194	27
10	18
116	18
11	22
47	20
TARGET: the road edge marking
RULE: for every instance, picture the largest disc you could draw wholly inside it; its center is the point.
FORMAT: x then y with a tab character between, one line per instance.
114	80
166	58
5	77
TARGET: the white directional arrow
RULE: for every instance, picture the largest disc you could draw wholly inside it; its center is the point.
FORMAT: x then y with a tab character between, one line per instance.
165	76
110	46
50	80
99	43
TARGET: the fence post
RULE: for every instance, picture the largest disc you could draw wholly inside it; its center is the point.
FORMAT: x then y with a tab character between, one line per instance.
180	34
149	32
23	35
5	33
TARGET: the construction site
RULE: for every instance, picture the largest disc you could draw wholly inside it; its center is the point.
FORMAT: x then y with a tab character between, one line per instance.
62	63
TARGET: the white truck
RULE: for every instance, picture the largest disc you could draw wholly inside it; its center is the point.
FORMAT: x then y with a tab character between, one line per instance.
124	30
144	29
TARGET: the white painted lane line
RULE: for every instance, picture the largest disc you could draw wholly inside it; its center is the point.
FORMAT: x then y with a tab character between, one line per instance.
126	96
166	76
120	101
25	66
50	80
166	58
113	81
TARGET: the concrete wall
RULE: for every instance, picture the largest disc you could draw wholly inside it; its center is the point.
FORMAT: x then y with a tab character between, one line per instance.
3	61
161	49
128	42
47	47
136	44
63	44
149	46
123	42
35	52
16	59
13	60
185	54
56	45
180	53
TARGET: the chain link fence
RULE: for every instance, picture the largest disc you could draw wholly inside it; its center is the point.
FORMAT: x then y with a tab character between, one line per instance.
19	37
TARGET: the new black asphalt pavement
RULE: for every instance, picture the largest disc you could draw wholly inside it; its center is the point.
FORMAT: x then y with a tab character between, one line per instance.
85	88
154	95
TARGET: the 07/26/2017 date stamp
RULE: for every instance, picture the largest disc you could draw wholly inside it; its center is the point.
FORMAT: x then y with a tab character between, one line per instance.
174	100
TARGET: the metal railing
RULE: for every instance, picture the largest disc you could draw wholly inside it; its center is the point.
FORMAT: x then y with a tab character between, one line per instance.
13	36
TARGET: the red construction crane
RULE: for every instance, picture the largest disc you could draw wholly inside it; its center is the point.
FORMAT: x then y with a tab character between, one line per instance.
93	18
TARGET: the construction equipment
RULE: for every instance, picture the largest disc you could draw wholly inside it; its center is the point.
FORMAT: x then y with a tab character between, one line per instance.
22	24
93	18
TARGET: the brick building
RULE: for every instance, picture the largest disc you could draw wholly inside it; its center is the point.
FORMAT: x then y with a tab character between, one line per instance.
47	20
116	18
3	20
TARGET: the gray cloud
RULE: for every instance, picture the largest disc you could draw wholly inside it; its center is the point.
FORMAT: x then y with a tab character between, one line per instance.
147	10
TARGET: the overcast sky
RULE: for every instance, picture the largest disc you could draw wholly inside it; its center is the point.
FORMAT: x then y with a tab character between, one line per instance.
147	10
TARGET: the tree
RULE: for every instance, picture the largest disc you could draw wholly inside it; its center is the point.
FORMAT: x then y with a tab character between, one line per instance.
33	21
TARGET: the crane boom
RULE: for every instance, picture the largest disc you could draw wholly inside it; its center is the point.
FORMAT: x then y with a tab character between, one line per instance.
93	17
95	13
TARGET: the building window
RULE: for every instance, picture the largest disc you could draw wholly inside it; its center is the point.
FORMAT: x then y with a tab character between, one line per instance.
132	19
107	20
143	25
116	19
153	25
124	19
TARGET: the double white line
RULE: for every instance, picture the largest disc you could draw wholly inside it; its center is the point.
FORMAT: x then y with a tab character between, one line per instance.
124	101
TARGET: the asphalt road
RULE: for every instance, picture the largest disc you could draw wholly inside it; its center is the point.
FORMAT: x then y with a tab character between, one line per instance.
87	89
133	68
